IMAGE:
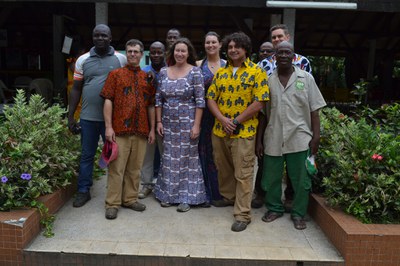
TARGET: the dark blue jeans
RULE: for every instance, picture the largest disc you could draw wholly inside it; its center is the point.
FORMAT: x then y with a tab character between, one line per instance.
90	133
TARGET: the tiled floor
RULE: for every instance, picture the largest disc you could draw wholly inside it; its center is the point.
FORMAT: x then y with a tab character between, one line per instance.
199	233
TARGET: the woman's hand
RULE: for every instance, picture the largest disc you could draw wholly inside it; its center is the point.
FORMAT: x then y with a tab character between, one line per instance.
160	129
195	132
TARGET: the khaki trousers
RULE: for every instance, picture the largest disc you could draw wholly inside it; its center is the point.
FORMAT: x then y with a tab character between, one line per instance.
235	160
124	172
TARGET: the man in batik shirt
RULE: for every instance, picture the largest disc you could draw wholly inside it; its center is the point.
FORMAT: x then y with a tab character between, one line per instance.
130	120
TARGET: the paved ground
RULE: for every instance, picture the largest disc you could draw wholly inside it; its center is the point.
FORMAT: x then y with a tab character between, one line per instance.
201	232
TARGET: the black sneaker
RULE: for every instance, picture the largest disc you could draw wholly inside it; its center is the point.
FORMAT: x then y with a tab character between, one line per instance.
80	199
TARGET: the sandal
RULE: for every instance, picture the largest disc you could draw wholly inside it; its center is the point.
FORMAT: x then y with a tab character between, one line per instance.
299	223
271	216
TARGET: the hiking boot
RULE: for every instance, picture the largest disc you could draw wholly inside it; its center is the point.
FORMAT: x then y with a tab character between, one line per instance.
238	226
80	199
136	206
144	192
111	213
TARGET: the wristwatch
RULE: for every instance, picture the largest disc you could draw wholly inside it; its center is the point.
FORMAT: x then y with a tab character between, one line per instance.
235	122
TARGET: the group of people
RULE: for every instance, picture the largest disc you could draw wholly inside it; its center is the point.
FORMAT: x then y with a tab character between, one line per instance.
207	120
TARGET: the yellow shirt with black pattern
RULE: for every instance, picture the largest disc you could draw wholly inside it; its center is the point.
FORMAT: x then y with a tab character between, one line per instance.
233	93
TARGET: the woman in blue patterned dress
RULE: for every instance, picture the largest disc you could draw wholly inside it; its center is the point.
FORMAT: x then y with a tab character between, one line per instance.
179	107
209	66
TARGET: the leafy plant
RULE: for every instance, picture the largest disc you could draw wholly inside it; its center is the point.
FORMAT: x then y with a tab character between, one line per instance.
359	163
37	154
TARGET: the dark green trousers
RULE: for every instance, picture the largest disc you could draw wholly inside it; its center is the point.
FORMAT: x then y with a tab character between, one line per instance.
272	182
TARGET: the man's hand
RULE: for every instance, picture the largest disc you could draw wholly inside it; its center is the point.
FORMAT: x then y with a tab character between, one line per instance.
228	125
259	149
110	134
152	137
314	145
73	126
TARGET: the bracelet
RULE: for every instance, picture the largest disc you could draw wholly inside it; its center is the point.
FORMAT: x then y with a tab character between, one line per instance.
159	121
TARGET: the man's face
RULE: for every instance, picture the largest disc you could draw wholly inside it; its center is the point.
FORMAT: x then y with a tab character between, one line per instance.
266	50
278	36
236	54
284	56
156	55
172	36
133	54
101	38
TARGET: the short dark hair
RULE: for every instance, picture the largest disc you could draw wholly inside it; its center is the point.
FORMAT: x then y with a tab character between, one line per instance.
192	52
241	40
280	26
133	42
174	29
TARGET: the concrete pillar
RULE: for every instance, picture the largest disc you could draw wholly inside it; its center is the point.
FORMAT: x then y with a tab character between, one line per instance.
289	18
101	13
275	19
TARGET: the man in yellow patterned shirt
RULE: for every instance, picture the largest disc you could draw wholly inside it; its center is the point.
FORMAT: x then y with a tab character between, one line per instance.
238	92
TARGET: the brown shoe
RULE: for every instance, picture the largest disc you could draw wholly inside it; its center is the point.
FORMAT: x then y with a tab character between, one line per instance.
136	206
271	216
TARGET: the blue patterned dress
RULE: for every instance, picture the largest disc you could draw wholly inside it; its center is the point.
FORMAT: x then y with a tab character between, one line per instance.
180	179
210	172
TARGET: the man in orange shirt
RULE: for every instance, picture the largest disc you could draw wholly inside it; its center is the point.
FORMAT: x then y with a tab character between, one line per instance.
130	120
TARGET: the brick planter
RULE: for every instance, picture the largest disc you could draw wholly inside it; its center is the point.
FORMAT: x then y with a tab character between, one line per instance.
359	244
15	236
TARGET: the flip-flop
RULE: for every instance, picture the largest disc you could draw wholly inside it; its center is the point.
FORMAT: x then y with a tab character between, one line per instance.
299	223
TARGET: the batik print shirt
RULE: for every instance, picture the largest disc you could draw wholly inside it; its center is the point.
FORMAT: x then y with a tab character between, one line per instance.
233	93
131	94
269	63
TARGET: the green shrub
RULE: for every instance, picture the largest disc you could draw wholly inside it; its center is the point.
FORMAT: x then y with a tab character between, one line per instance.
359	163
37	152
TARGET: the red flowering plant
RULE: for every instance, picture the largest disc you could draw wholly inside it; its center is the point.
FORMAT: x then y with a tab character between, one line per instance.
359	165
37	154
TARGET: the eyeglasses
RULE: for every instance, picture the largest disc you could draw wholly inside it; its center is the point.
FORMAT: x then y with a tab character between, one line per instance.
267	51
